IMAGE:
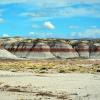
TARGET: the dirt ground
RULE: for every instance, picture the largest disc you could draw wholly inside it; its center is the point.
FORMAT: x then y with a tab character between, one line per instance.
29	86
71	79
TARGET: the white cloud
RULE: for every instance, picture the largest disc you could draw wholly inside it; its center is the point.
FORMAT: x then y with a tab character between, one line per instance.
70	12
49	25
63	12
50	3
59	3
40	34
31	33
12	1
73	27
40	16
58	8
5	35
94	26
31	14
35	26
88	33
1	20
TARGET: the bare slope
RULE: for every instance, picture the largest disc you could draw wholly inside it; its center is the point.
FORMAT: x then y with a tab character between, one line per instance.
4	54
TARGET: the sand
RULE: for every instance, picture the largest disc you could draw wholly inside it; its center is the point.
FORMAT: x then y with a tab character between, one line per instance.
30	86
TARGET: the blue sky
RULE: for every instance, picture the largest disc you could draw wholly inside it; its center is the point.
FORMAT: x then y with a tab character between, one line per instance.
50	18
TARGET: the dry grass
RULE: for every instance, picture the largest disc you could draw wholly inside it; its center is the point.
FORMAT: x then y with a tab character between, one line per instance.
46	66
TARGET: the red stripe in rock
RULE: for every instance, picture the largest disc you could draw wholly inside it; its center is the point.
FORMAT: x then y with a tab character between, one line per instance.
47	50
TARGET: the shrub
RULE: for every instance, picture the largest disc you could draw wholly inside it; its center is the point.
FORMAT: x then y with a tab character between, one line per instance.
62	71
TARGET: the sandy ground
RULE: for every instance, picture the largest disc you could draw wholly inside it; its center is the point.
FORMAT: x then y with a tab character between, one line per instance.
29	86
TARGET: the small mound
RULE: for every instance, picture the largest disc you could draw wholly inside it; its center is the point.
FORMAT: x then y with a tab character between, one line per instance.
83	50
63	50
4	54
95	51
40	51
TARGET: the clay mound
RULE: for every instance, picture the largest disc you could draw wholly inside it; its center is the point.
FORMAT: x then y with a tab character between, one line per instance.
4	54
95	51
83	50
63	50
40	51
22	49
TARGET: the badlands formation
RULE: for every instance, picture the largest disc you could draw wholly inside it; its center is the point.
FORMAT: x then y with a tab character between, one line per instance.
31	79
53	49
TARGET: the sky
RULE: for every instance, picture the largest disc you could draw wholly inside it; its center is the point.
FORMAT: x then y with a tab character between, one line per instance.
50	18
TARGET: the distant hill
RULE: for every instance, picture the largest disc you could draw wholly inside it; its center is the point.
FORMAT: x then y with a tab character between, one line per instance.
52	48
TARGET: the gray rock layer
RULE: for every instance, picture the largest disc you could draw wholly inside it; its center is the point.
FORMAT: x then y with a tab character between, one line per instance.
4	54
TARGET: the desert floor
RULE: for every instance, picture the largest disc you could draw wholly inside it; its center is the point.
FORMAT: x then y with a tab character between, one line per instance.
52	66
50	80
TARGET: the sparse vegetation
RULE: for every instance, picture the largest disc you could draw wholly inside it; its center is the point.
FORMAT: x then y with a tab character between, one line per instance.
30	90
44	66
61	71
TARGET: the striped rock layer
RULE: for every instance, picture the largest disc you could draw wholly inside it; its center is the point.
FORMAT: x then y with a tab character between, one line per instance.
45	50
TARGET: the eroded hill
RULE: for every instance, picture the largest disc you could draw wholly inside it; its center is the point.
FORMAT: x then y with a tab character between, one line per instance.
52	48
